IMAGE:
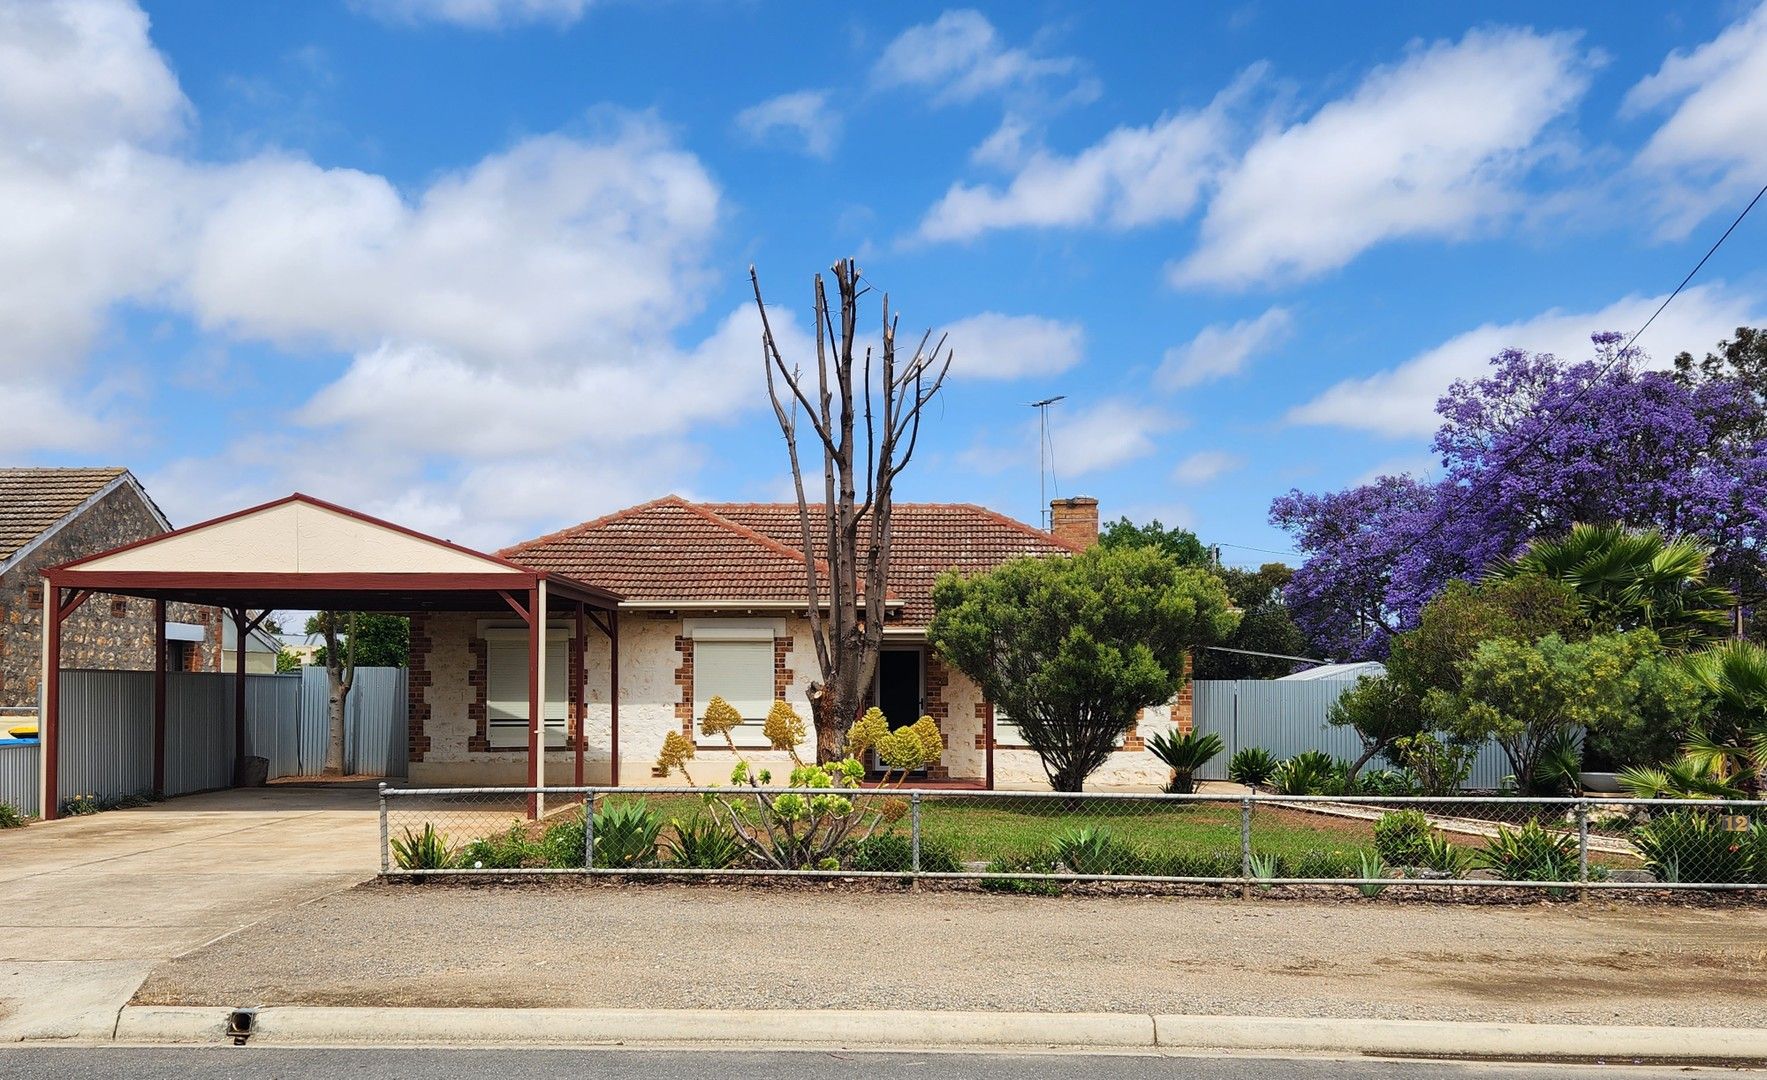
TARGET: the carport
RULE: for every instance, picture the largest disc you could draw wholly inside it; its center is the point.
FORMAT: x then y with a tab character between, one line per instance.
304	553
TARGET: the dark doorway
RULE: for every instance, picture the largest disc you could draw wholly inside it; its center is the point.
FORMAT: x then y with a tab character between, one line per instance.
898	686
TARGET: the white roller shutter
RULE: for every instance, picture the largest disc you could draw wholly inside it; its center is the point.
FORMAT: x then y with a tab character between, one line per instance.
740	672
506	691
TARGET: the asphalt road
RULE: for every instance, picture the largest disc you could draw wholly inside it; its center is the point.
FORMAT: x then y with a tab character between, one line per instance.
83	1063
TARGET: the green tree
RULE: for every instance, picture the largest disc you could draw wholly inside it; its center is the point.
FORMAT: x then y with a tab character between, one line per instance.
1264	627
1073	648
1181	544
381	640
1629	579
1524	694
1382	710
1464	615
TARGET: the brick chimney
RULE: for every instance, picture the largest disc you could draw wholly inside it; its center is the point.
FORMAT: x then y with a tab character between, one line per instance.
1074	521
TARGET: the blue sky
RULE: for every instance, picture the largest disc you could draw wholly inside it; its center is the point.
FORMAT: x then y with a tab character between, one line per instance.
481	265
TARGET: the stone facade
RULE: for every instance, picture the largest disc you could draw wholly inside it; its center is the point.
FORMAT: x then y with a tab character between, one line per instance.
106	632
656	697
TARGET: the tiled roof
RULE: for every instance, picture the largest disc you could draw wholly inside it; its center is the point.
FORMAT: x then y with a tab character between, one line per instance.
31	500
672	549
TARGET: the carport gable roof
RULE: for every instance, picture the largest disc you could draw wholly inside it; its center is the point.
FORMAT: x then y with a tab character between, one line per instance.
303	552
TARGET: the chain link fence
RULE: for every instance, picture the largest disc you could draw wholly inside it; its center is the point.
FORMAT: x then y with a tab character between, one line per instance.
1037	841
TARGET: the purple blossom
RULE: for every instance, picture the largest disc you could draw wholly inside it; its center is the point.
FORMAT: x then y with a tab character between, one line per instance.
1528	450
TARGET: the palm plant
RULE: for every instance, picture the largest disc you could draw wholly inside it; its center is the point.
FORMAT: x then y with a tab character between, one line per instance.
1185	754
1731	746
1629	579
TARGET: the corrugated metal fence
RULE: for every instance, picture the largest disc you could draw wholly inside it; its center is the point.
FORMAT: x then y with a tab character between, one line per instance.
1286	718
107	731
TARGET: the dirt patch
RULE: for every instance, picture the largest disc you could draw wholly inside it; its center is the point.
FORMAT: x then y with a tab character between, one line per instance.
676	946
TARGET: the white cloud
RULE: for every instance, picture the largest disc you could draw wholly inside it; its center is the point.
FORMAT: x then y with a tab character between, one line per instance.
995	346
960	56
1104	435
476	14
530	311
1223	349
1205	465
1133	176
806	117
1401	401
1710	146
1431	146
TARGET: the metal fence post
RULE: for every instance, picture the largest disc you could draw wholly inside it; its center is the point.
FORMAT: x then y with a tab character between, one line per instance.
589	831
1583	849
385	844
1245	848
914	834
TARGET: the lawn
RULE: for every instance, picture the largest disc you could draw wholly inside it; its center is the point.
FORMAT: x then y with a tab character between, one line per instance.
982	830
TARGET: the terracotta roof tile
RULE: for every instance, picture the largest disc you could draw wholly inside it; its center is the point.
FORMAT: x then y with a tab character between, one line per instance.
31	500
671	549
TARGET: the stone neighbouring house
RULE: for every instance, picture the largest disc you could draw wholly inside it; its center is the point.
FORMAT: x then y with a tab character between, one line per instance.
51	516
714	605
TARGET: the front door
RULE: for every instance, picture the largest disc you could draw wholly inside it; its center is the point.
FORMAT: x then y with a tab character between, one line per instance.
899	690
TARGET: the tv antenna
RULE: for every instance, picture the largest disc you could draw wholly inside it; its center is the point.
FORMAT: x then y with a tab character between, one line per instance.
1045	458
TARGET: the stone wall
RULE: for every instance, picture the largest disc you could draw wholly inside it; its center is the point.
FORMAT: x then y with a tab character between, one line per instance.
106	632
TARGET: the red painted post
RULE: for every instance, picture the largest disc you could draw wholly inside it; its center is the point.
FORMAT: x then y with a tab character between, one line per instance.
613	667
988	737
239	739
579	708
49	727
536	698
159	697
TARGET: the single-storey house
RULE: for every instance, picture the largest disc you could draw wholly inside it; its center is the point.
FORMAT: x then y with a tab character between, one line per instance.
712	603
49	516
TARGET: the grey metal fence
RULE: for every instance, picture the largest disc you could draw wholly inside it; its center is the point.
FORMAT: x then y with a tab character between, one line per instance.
375	742
1033	841
1287	718
18	775
107	731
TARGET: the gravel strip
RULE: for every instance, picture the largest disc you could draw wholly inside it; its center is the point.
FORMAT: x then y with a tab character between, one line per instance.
609	945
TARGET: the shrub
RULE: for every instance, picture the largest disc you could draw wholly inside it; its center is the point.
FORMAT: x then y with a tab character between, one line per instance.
1530	853
701	842
1693	846
626	834
893	852
1324	864
1386	782
1252	766
561	845
427	850
1400	836
10	818
1445	858
508	850
1093	850
1310	772
1185	754
1035	863
1199	864
1439	766
81	805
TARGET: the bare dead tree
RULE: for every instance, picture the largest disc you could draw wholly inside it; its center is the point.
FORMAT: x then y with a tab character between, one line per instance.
847	570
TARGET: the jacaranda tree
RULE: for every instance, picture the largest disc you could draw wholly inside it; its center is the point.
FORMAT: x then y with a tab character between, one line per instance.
1529	450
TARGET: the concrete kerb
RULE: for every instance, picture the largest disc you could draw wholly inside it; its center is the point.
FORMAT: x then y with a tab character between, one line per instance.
319	1025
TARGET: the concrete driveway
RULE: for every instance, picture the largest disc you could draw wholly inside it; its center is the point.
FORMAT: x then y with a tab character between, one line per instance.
92	904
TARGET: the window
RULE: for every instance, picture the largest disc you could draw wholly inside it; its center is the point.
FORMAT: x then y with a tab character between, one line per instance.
506	688
119	608
1006	733
735	663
